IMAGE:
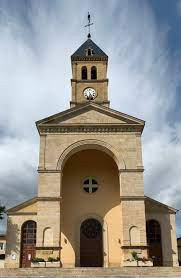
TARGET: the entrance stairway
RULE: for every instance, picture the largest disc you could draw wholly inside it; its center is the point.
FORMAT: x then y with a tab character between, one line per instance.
141	272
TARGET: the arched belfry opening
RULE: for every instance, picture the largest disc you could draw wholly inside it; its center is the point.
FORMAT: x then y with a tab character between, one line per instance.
90	183
93	73
84	73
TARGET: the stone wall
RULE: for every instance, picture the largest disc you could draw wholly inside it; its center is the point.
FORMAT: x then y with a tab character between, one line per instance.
166	219
100	85
128	160
13	244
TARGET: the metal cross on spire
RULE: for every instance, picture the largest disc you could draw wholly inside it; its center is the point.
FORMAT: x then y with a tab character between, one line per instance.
88	25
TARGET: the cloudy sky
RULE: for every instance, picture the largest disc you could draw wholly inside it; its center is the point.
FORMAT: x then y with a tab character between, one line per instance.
143	41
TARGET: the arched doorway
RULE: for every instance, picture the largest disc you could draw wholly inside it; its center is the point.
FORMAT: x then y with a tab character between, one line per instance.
91	246
153	232
28	243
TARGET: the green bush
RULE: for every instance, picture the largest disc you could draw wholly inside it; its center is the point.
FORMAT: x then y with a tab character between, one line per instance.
37	260
50	259
135	255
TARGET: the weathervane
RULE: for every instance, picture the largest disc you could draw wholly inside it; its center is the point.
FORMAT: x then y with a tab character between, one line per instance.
88	25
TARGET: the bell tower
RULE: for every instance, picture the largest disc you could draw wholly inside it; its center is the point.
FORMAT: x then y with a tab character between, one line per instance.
89	74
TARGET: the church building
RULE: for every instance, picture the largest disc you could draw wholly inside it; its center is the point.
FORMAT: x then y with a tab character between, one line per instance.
90	209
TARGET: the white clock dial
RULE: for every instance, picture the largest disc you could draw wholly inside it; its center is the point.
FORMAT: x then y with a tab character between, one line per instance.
90	93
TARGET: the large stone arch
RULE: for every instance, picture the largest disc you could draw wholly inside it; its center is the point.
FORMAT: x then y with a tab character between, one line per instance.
110	207
91	144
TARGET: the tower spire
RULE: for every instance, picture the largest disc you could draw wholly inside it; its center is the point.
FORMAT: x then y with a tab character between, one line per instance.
88	25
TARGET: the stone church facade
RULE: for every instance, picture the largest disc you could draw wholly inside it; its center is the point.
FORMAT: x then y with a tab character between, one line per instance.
90	209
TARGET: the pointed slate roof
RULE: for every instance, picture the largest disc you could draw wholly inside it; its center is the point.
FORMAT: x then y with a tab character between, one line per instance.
80	53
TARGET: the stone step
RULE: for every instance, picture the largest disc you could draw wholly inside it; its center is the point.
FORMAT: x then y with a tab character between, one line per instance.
89	276
95	269
126	272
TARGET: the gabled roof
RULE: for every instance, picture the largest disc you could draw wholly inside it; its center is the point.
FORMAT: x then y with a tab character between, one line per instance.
106	117
171	209
80	53
22	205
29	202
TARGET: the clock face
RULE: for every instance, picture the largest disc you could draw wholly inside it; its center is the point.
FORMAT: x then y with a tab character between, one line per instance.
90	93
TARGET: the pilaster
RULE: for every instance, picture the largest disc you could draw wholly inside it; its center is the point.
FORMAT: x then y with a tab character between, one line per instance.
42	151
133	230
49	213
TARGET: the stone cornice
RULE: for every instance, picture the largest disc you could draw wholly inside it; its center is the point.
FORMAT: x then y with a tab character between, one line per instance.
104	103
132	198
114	128
22	213
89	58
134	246
90	80
48	247
49	199
40	170
48	171
141	169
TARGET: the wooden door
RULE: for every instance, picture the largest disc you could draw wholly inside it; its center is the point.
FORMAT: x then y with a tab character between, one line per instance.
153	232
91	247
155	252
28	243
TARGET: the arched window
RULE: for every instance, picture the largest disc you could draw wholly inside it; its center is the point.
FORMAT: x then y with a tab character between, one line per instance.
93	72
134	236
84	73
29	232
153	234
153	231
48	237
28	243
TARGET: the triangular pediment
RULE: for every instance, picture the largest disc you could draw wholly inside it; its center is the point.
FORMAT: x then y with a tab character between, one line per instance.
90	113
92	116
27	207
152	205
